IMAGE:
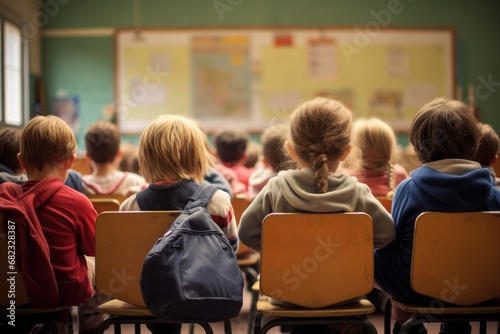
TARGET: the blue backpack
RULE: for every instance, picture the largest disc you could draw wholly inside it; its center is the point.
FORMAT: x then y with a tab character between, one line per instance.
191	273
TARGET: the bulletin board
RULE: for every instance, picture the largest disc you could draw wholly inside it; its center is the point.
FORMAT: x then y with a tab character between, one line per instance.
250	78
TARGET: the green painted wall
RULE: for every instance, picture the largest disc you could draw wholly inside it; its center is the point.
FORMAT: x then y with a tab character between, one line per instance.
81	66
85	66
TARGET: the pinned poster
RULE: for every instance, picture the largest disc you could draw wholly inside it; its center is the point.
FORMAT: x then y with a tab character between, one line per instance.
322	59
283	39
66	106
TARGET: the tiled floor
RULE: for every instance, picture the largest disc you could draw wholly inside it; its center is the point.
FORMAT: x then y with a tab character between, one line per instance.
239	324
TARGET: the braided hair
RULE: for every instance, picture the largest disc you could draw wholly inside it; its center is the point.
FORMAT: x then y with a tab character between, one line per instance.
319	133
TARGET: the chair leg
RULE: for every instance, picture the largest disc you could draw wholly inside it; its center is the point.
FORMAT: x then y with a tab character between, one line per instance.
118	328
405	328
227	326
482	327
258	321
362	321
387	316
137	328
206	327
253	311
191	329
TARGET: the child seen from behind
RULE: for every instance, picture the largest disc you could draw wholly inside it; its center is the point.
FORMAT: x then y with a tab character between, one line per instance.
173	159
445	137
318	140
102	141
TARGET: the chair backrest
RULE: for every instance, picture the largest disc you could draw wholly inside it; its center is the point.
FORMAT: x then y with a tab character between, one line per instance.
20	296
456	256
386	203
316	259
123	240
105	204
119	198
82	166
240	203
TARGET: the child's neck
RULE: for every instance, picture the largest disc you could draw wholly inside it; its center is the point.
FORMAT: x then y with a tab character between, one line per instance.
57	171
103	169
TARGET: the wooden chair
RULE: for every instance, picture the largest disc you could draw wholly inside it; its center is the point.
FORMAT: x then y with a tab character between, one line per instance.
23	310
455	260
119	198
386	203
248	259
123	240
82	166
316	260
105	204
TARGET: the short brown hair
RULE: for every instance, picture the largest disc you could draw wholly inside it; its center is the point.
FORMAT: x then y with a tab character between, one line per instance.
444	129
273	139
47	140
488	148
102	141
10	139
173	148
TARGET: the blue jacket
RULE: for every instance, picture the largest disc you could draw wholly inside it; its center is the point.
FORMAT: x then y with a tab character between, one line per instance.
427	190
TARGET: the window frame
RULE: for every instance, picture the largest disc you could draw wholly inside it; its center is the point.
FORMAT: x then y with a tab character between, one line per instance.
10	18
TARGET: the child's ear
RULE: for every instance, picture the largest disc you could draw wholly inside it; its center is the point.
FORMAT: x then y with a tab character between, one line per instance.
494	160
69	162
119	156
21	161
291	151
345	153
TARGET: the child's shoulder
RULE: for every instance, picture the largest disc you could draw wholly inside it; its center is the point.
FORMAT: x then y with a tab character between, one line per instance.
138	179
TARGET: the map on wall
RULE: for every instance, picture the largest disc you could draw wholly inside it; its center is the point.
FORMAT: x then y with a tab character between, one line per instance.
221	80
252	78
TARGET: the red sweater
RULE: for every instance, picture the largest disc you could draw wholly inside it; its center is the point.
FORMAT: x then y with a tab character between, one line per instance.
65	222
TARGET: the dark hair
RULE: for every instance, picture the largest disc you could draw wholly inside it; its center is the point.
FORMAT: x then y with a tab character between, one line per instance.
10	145
488	148
444	129
102	141
231	145
272	140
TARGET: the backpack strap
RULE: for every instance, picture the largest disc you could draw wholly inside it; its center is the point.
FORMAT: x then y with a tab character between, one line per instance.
201	197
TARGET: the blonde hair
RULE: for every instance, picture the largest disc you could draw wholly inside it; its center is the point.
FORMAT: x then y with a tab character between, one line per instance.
173	148
319	133
47	140
378	144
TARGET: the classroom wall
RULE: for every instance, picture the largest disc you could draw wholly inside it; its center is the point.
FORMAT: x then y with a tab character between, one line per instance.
77	43
27	10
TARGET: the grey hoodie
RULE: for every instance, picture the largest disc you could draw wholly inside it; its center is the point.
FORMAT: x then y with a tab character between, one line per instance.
296	191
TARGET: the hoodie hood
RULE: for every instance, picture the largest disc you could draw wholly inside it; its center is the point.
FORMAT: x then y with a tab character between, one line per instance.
299	190
469	191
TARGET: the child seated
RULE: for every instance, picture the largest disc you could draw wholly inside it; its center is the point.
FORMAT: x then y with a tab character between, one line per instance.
102	141
274	159
378	145
487	153
318	140
55	224
445	137
230	146
174	159
10	169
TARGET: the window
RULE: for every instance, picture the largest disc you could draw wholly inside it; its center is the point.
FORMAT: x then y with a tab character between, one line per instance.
13	72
